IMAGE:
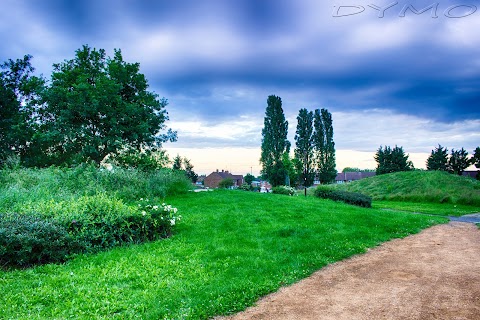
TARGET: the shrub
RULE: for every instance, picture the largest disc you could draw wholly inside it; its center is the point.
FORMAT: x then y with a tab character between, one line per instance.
246	187
83	225
226	183
354	198
286	190
31	239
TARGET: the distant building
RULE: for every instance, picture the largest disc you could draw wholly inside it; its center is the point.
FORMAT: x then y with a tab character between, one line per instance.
214	179
344	177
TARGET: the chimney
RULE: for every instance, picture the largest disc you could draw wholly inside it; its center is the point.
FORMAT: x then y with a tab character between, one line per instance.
222	170
217	170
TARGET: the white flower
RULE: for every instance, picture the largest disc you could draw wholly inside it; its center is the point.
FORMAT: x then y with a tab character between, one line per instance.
172	222
175	210
143	213
155	207
141	199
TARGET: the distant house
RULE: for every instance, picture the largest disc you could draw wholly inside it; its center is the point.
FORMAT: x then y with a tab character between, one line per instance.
471	174
344	177
214	179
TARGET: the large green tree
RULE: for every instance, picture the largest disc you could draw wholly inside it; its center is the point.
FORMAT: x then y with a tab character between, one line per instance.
324	146
96	106
19	91
304	147
438	159
274	142
392	160
458	161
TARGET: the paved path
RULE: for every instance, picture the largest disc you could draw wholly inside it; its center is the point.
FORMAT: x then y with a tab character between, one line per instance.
469	218
432	275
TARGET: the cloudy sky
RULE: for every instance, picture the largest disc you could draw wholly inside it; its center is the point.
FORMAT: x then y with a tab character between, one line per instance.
389	75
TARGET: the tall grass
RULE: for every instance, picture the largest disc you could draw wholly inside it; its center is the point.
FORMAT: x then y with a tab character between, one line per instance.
420	186
21	187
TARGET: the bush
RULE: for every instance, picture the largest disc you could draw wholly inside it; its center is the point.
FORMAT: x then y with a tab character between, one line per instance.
226	183
286	190
31	239
246	187
354	198
84	225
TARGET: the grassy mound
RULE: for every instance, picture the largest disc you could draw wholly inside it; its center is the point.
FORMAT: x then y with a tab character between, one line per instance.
420	186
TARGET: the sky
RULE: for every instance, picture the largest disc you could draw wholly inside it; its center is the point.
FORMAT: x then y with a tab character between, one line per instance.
403	73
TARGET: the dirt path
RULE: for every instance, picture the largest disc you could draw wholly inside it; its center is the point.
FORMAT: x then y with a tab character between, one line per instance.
432	275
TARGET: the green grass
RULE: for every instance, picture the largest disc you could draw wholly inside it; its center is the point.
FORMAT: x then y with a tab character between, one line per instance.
420	186
441	209
230	248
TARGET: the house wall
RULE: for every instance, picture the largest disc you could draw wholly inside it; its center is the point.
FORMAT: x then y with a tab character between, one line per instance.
212	180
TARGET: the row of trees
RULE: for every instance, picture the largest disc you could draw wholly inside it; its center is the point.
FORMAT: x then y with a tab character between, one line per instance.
91	107
455	163
394	159
314	149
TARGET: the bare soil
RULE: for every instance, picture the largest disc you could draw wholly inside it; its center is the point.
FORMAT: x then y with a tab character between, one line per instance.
432	275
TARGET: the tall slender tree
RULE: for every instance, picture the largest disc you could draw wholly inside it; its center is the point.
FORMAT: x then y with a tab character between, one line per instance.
274	142
324	146
438	159
304	147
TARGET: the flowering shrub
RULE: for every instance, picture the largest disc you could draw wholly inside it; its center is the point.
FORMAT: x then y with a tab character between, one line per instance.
54	231
286	190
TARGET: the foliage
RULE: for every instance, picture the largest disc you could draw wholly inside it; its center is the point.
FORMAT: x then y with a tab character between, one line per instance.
96	106
32	239
304	147
246	187
226	183
249	178
419	186
324	146
18	93
354	198
224	255
177	163
458	161
392	160
438	159
291	168
189	171
20	189
274	142
85	224
145	160
286	190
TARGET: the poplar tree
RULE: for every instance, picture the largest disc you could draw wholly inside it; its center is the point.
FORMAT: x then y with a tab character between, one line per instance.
304	147
324	146
274	142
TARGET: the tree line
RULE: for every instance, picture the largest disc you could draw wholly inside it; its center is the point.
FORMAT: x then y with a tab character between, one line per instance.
394	159
314	153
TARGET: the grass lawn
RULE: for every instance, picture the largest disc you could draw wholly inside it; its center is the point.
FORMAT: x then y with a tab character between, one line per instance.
441	209
230	248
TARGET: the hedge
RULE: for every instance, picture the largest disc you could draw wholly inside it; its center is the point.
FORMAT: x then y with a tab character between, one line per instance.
354	198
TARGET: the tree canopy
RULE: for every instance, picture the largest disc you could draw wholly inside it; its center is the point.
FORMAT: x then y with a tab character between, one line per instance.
458	161
438	159
324	146
392	160
304	147
93	106
274	142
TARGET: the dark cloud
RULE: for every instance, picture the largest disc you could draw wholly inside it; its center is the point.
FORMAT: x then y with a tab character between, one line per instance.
216	60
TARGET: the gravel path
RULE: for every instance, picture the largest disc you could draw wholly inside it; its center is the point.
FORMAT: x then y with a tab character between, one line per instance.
431	275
